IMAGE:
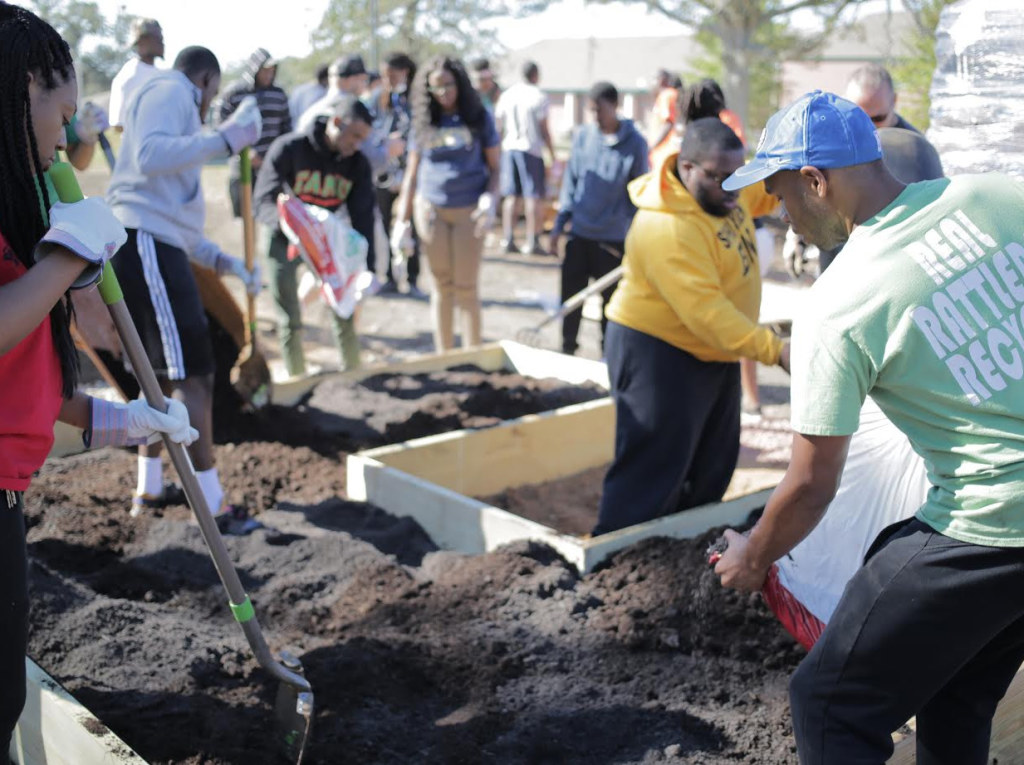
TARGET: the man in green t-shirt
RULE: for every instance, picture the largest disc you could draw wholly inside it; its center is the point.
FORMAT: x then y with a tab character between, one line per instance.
923	313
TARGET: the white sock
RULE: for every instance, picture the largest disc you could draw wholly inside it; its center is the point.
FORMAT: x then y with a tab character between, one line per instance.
151	476
209	482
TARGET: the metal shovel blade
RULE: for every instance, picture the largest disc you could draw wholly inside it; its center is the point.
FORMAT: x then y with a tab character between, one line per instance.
293	712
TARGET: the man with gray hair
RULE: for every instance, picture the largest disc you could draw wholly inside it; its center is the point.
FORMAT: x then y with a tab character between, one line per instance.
148	41
871	88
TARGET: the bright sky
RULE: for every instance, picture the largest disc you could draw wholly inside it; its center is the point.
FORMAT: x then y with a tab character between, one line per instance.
232	28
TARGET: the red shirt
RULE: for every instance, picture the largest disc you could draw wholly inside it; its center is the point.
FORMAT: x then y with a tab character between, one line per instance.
30	393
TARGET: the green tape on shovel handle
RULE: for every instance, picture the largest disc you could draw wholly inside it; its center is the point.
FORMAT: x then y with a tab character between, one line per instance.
110	288
243	611
245	167
66	184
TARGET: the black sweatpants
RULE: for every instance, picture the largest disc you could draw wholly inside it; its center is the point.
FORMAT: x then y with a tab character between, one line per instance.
677	429
928	626
585	259
13	614
386	200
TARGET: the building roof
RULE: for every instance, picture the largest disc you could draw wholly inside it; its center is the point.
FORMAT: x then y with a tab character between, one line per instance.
629	63
574	64
877	37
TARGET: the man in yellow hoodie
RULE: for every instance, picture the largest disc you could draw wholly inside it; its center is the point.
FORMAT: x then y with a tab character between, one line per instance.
683	315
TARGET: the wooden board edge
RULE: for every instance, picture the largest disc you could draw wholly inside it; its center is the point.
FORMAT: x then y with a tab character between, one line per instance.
55	729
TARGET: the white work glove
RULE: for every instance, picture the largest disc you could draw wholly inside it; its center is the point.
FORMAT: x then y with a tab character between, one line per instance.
229	264
89	229
91	121
402	246
794	254
401	238
484	214
244	126
134	423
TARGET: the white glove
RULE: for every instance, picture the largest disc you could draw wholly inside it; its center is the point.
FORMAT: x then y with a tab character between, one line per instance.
244	126
484	214
134	423
229	264
90	122
794	254
401	238
89	229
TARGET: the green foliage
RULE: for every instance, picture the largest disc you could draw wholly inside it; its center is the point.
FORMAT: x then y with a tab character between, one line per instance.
417	27
913	73
746	41
99	45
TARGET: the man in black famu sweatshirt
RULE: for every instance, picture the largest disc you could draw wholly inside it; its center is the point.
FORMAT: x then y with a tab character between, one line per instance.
323	167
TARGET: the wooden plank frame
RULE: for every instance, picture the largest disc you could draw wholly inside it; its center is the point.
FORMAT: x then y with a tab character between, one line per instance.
514	357
54	729
434	479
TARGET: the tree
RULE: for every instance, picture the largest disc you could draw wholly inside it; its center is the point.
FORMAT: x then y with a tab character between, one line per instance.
749	35
80	22
417	27
913	72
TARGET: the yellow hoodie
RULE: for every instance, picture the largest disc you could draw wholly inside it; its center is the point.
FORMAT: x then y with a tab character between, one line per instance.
691	279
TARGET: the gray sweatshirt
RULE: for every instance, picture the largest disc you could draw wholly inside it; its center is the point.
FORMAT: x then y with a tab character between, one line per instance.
155	186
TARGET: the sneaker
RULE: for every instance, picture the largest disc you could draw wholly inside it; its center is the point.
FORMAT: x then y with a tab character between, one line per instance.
509	246
171	494
535	249
235	521
390	287
417	293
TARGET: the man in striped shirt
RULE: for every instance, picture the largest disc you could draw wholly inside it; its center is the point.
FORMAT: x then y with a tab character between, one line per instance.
257	81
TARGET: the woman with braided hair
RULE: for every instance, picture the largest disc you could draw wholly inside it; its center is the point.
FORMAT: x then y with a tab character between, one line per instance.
43	255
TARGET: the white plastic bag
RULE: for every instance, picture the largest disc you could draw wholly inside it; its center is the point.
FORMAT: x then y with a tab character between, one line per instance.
884	482
333	250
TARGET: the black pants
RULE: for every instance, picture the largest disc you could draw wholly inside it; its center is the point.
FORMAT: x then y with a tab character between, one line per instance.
677	429
386	200
585	259
928	626
13	614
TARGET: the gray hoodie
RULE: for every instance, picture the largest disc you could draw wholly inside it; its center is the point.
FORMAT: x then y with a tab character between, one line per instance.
156	182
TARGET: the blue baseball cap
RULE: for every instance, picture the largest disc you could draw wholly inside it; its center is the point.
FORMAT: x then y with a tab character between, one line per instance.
818	129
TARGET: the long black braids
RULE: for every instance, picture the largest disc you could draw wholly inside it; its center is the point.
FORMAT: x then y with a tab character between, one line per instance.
29	44
426	113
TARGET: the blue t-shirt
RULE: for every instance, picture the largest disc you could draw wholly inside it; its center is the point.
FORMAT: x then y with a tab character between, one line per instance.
453	171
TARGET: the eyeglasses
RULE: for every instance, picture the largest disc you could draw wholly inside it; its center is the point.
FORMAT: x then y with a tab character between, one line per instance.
717	178
440	90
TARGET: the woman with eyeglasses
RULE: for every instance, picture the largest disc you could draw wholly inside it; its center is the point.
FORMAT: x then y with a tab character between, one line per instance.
450	187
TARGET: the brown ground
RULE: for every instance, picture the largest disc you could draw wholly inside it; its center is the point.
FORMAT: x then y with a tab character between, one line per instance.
570	504
415	655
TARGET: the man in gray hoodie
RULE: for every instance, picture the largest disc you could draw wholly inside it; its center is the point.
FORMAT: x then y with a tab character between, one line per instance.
155	192
606	155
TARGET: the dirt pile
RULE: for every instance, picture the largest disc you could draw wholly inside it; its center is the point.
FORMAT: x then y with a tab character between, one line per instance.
415	655
390	408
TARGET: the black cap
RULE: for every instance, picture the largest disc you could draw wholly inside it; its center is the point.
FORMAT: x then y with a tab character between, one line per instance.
347	66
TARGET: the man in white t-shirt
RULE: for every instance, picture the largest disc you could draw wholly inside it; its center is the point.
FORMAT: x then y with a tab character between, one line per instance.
522	117
148	42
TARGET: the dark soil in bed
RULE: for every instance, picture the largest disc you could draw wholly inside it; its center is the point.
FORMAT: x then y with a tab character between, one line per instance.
415	655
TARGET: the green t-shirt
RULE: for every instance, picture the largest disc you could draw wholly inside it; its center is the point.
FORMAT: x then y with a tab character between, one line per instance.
924	311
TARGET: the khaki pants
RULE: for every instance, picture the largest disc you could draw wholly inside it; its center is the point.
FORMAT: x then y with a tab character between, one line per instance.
453	250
